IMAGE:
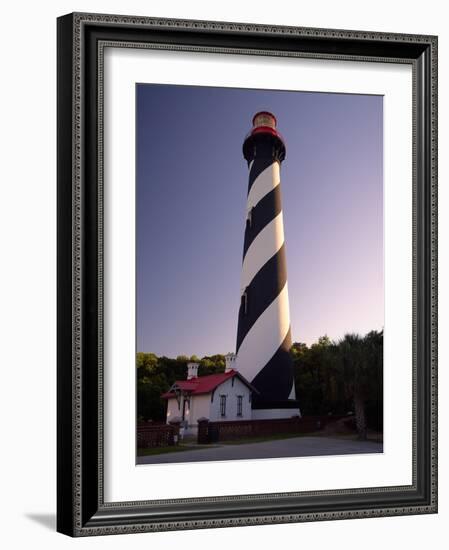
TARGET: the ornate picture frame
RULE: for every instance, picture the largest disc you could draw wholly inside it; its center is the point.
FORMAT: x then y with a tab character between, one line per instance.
81	507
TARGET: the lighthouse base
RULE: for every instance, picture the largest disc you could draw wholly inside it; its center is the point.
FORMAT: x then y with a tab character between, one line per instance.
283	409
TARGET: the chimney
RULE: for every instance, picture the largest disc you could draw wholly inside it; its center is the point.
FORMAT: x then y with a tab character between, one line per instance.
192	370
231	363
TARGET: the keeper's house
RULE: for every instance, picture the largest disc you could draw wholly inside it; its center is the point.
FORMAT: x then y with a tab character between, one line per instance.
217	397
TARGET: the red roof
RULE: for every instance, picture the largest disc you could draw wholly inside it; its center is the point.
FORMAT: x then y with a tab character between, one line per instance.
204	384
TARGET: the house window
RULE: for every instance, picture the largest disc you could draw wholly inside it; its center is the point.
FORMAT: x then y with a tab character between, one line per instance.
223	405
239	405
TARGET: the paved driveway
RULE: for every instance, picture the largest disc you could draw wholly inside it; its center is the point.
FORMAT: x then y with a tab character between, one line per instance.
296	446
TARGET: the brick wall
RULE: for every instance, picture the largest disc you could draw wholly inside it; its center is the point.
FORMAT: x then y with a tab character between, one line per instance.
210	432
156	435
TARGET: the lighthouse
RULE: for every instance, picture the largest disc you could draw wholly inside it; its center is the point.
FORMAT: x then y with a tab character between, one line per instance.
263	333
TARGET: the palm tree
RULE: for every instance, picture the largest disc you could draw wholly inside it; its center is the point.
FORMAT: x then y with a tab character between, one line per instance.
354	371
332	376
373	349
361	359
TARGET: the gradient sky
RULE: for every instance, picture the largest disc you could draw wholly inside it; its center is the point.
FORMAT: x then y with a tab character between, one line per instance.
191	201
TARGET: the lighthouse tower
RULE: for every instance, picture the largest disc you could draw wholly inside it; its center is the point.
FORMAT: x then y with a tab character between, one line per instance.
263	334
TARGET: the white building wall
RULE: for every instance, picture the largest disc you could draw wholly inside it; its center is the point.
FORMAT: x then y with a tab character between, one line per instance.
269	414
199	408
172	409
202	406
231	392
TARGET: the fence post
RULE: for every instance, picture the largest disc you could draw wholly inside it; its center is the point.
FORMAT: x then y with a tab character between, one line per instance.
203	430
175	424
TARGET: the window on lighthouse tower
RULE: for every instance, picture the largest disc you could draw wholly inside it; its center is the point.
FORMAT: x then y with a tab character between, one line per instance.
249	218
244	302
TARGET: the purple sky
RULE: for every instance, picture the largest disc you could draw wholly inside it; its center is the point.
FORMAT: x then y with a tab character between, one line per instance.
191	200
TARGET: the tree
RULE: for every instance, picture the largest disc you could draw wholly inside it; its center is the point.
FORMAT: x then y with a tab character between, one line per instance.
362	364
211	365
146	364
150	406
374	401
330	377
298	349
155	376
335	377
351	354
318	379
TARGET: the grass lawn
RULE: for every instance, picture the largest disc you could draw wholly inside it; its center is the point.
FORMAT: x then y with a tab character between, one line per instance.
170	449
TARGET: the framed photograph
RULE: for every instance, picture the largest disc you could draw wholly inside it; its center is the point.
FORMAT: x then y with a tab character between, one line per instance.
247	274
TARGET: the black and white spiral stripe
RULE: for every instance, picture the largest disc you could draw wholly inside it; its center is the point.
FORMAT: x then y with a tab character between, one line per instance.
263	335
